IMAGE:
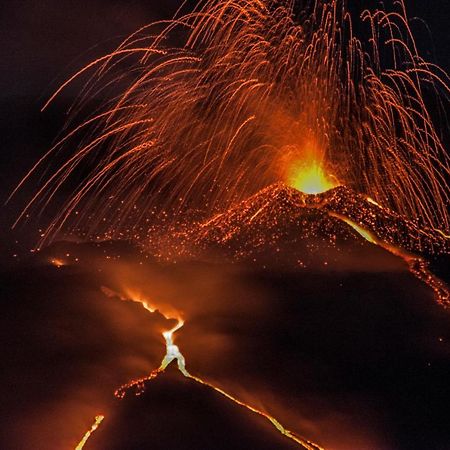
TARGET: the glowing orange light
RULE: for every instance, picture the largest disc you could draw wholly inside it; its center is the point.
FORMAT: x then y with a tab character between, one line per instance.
57	262
311	178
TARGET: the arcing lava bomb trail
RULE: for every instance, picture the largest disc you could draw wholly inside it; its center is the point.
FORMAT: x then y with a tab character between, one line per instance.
221	102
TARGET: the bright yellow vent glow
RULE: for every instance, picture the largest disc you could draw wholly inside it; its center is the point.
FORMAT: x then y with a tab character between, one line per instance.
311	179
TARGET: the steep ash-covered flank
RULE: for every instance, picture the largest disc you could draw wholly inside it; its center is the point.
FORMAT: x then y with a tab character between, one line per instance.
280	216
280	227
387	225
265	218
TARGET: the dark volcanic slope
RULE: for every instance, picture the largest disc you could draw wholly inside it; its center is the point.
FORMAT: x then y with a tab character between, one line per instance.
178	414
282	226
275	209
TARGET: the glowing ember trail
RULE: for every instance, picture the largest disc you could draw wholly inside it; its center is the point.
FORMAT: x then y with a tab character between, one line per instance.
173	353
95	425
255	92
416	265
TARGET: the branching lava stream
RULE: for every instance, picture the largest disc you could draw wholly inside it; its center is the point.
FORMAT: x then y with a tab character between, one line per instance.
173	353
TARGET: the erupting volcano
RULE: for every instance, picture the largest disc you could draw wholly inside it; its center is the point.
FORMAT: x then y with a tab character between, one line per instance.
211	107
259	188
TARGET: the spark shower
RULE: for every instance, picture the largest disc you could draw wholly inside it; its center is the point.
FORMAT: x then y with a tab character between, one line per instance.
208	108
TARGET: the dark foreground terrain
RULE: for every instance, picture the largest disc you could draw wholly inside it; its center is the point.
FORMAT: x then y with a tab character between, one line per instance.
352	359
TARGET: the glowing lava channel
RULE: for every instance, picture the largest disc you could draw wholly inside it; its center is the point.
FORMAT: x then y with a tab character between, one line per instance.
416	265
173	353
95	425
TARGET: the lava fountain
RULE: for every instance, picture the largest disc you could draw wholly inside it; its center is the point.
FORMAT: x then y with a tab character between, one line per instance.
216	104
311	179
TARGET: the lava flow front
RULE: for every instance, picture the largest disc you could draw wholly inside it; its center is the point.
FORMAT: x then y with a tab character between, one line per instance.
95	425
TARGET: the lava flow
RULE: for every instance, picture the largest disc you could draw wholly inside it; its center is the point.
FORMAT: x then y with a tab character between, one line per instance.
173	353
95	425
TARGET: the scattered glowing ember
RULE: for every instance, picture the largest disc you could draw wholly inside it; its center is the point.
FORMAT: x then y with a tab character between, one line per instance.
95	425
57	262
